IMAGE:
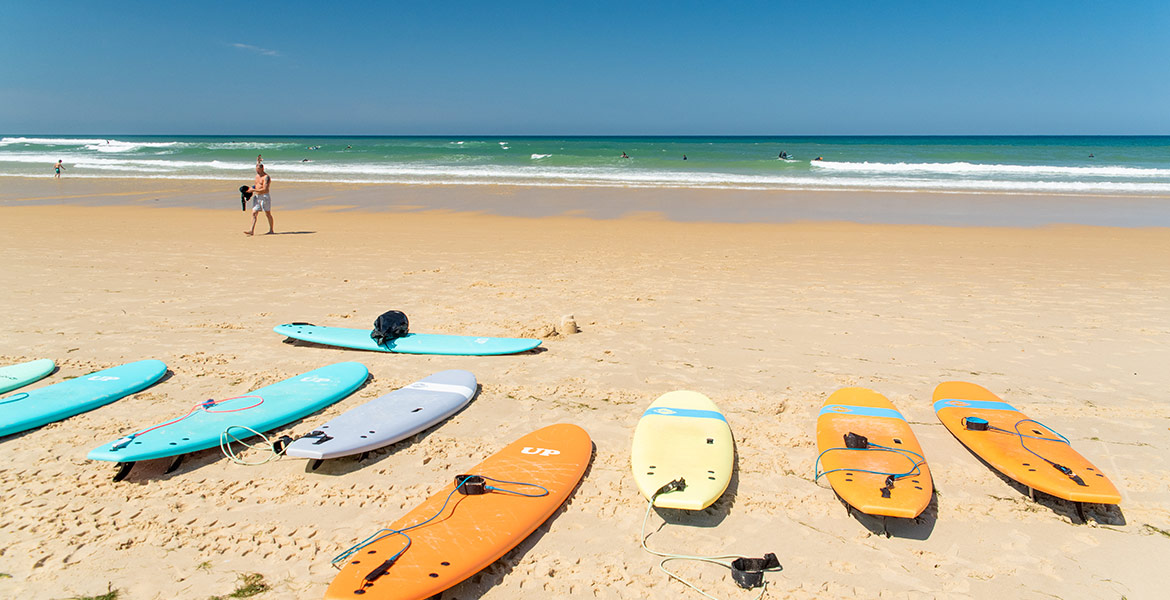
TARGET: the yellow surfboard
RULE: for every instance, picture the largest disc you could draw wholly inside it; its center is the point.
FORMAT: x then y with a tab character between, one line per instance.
888	476
682	435
1024	450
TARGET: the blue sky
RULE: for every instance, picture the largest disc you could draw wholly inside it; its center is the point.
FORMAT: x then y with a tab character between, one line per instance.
586	68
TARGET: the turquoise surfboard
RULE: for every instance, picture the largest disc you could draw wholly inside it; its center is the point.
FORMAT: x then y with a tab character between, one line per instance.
411	343
262	410
15	376
25	410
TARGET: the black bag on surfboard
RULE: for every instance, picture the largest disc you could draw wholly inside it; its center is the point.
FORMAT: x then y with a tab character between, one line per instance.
390	326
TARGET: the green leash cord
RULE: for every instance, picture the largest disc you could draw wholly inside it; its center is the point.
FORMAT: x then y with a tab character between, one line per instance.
725	560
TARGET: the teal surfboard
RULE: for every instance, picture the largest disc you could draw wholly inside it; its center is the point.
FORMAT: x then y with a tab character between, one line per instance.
15	376
25	410
262	410
411	343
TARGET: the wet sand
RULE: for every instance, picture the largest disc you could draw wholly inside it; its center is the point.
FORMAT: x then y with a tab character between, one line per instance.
685	205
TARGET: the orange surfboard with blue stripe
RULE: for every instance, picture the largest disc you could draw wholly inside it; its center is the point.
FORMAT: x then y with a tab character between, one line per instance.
1019	447
889	477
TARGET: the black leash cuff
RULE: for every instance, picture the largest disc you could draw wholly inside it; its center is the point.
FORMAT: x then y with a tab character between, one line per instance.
748	573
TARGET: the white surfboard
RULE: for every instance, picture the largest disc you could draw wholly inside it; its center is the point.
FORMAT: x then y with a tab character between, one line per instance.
388	419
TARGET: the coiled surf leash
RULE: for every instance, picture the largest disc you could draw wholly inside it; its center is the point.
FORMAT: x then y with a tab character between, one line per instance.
205	406
855	442
466	485
276	446
748	573
978	424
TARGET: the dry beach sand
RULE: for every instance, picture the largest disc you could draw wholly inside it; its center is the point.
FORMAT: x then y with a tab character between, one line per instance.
1071	324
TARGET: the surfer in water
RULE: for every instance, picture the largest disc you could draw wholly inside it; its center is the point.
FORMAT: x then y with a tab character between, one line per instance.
261	200
624	155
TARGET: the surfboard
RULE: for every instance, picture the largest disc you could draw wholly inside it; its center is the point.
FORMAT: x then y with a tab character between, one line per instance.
683	435
862	476
20	375
411	343
22	411
262	410
959	405
388	418
471	531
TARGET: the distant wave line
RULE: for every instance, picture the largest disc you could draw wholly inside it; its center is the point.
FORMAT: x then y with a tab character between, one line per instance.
966	168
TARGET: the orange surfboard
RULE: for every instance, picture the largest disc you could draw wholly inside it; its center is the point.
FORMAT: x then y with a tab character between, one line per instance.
472	531
960	406
887	478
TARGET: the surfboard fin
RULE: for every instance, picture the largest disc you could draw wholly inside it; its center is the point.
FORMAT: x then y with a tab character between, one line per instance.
123	470
174	465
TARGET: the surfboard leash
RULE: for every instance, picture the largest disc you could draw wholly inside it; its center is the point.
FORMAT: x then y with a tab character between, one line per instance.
860	443
748	573
206	406
977	424
227	438
467	485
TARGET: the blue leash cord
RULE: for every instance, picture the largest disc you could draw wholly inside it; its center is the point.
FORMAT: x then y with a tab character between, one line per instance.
915	469
385	533
1036	437
544	490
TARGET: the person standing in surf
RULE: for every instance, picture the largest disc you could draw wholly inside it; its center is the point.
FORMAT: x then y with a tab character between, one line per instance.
58	168
261	200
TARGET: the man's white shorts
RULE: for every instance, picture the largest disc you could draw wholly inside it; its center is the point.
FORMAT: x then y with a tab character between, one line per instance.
261	202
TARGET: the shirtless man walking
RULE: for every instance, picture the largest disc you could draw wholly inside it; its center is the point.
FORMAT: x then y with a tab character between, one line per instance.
261	200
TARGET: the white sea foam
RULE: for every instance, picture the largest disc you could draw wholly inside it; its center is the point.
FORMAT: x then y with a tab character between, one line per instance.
250	145
540	156
50	141
117	146
965	168
84	163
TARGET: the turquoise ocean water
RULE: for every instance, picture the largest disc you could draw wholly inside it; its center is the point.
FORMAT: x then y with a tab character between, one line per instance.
1132	166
